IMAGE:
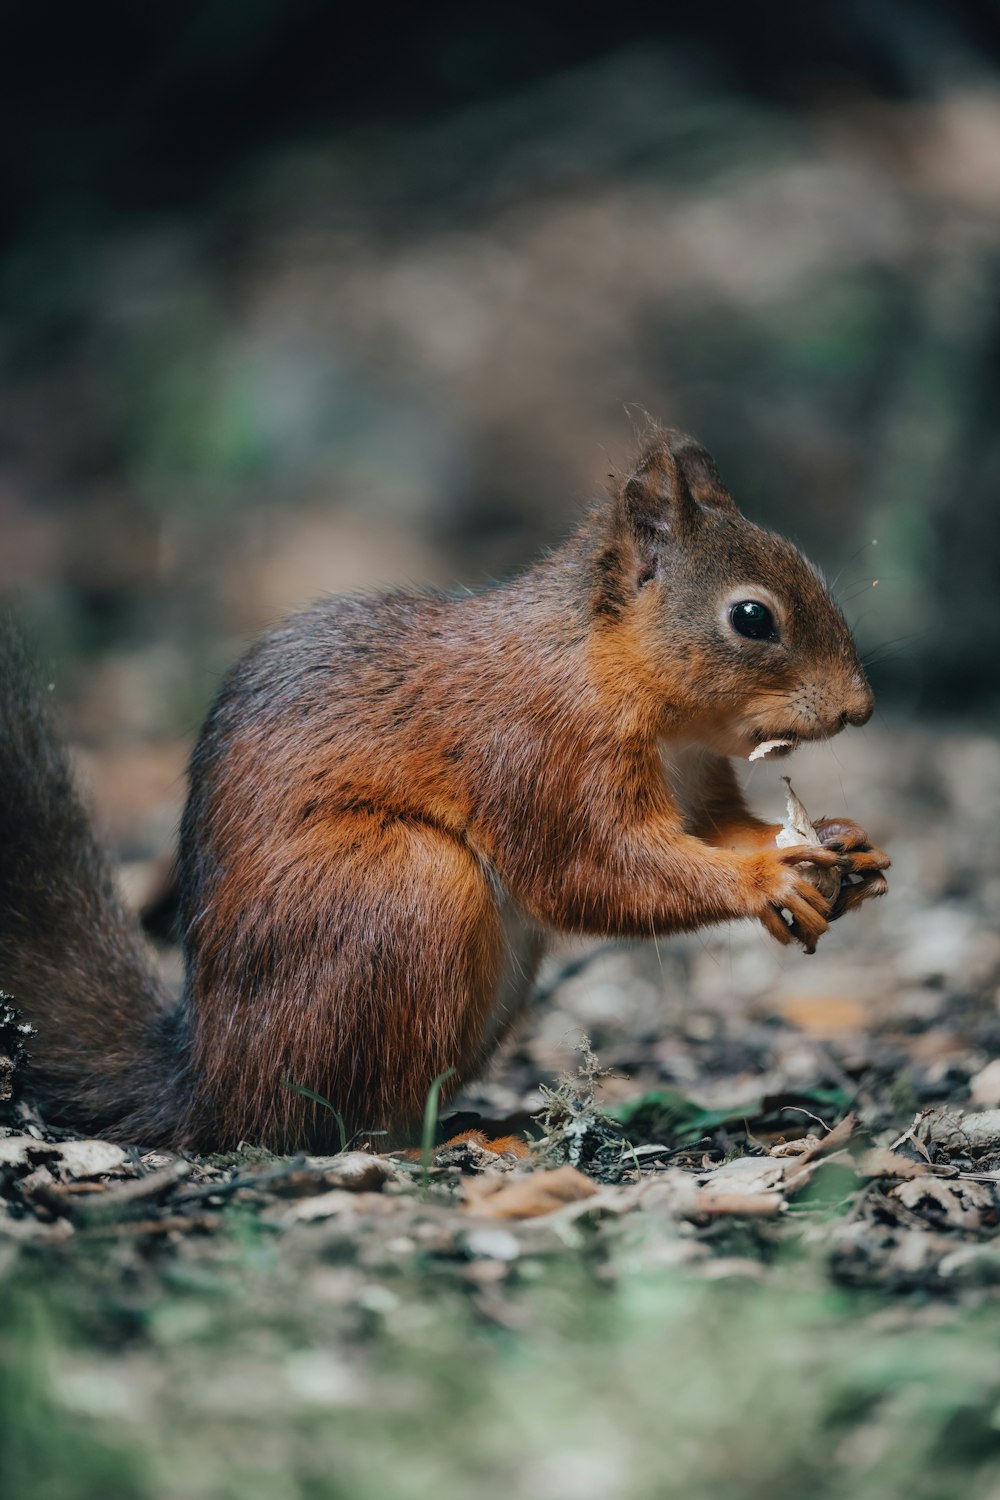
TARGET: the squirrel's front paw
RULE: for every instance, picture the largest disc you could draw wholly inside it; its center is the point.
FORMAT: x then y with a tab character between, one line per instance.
863	866
782	883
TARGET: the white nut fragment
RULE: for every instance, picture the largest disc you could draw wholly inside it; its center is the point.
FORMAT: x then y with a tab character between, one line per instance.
797	829
770	747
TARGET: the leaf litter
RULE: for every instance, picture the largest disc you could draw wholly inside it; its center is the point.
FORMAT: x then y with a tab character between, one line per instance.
904	1206
705	1137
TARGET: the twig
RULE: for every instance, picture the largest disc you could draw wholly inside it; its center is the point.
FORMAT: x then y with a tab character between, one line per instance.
182	1223
118	1202
738	1205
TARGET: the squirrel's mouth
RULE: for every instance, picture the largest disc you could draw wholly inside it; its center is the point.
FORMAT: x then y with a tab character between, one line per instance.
784	741
776	744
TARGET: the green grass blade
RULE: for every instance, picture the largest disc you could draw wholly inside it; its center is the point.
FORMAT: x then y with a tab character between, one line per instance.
431	1120
298	1088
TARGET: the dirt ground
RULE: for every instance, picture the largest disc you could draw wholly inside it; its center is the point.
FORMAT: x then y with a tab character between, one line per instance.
754	1249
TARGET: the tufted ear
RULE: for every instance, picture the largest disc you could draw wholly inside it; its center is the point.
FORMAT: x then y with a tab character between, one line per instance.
674	479
654	500
696	467
662	499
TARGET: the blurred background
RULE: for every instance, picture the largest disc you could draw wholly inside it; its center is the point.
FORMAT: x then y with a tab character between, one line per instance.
290	304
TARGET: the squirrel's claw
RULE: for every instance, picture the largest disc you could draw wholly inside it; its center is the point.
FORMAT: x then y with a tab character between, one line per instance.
790	890
851	896
862	860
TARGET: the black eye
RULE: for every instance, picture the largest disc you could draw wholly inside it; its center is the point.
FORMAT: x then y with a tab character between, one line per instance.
753	619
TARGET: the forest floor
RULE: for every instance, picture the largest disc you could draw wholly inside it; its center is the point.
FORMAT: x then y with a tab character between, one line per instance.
756	1249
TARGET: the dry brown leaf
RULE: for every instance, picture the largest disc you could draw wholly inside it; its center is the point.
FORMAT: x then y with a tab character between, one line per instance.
88	1159
526	1197
886	1163
670	1193
976	1131
800	1153
745	1174
971	1263
67	1160
21	1150
802	1147
356	1171
778	1176
834	1139
963	1204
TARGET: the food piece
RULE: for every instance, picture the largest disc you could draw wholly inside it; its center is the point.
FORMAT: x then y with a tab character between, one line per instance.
771	747
797	829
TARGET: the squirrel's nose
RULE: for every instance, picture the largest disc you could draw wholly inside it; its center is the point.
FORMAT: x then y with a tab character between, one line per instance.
860	707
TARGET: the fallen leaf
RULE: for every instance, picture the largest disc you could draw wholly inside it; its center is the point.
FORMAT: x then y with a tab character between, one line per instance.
22	1150
976	1131
88	1159
886	1163
962	1204
802	1147
672	1192
745	1174
833	1140
356	1171
66	1159
526	1197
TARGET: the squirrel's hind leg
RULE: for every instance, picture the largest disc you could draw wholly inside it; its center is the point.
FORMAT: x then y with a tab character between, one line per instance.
362	965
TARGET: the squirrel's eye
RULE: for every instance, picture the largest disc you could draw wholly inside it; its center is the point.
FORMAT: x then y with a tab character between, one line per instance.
753	619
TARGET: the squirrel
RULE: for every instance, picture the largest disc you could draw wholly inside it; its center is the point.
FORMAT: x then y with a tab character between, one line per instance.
397	798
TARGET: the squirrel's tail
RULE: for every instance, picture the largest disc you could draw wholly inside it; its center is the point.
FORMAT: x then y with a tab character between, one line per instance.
109	1050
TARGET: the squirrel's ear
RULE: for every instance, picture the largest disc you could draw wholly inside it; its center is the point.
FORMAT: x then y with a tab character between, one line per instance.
652	507
654	499
674	480
697	468
662	500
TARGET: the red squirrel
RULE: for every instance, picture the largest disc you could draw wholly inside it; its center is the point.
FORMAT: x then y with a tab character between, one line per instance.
396	798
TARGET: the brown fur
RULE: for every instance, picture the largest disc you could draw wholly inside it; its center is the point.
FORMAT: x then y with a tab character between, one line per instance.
395	798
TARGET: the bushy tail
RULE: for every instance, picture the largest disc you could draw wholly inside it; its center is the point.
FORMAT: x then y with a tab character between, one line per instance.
109	1051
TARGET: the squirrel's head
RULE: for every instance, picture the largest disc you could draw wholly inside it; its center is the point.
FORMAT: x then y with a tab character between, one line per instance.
736	629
